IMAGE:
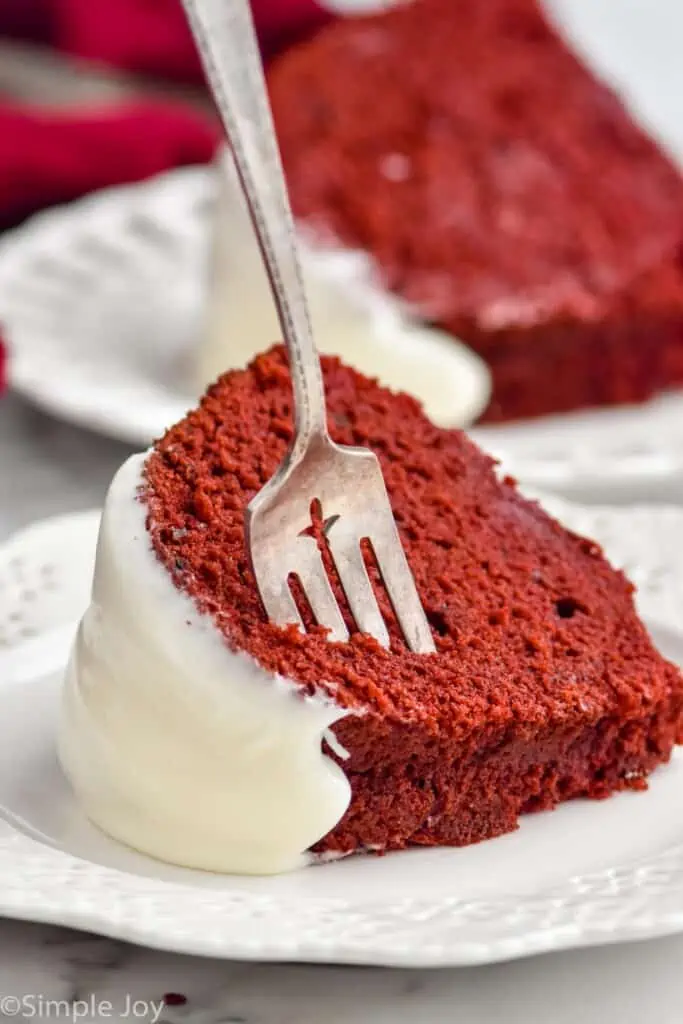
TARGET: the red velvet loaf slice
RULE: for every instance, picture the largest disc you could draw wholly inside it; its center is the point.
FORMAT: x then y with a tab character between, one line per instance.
545	685
501	189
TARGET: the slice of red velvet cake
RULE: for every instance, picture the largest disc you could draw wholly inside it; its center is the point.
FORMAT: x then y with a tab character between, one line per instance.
501	190
545	686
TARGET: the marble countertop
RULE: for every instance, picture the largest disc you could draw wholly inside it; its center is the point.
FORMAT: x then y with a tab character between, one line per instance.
48	468
55	974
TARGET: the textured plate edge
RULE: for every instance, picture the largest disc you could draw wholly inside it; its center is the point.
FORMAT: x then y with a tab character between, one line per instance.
21	376
457	955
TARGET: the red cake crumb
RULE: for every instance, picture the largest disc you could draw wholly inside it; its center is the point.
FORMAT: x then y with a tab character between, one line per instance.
545	685
502	190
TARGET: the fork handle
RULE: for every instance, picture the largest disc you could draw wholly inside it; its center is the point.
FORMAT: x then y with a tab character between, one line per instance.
225	36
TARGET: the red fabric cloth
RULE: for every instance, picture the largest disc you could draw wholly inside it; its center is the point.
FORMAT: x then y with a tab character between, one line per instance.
28	19
49	157
147	36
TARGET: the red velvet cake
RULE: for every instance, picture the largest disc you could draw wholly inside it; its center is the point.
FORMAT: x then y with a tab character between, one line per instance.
502	191
545	685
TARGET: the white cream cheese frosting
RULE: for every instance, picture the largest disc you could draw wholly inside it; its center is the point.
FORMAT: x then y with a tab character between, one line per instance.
352	316
173	743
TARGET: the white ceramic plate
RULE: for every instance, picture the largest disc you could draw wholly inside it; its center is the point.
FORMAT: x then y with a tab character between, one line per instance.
104	302
99	310
621	455
588	873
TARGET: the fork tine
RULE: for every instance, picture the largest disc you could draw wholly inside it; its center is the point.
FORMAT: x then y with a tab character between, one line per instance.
278	600
400	585
350	566
318	590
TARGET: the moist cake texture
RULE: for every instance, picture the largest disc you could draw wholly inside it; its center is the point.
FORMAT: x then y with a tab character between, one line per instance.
545	685
502	191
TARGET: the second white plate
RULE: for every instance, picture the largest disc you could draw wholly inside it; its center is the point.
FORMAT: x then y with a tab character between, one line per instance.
102	303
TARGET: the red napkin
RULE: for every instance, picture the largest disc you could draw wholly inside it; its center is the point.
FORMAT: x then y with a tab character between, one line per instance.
152	36
50	157
148	36
28	19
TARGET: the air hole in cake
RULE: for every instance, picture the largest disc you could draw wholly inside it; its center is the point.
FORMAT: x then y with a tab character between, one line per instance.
437	620
565	787
567	607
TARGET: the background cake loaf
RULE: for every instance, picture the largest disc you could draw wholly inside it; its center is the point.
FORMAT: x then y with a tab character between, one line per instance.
502	191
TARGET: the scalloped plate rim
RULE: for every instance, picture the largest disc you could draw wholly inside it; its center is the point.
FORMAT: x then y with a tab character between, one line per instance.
23	860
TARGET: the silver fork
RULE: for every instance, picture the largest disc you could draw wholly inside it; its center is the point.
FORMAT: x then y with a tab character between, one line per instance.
347	482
